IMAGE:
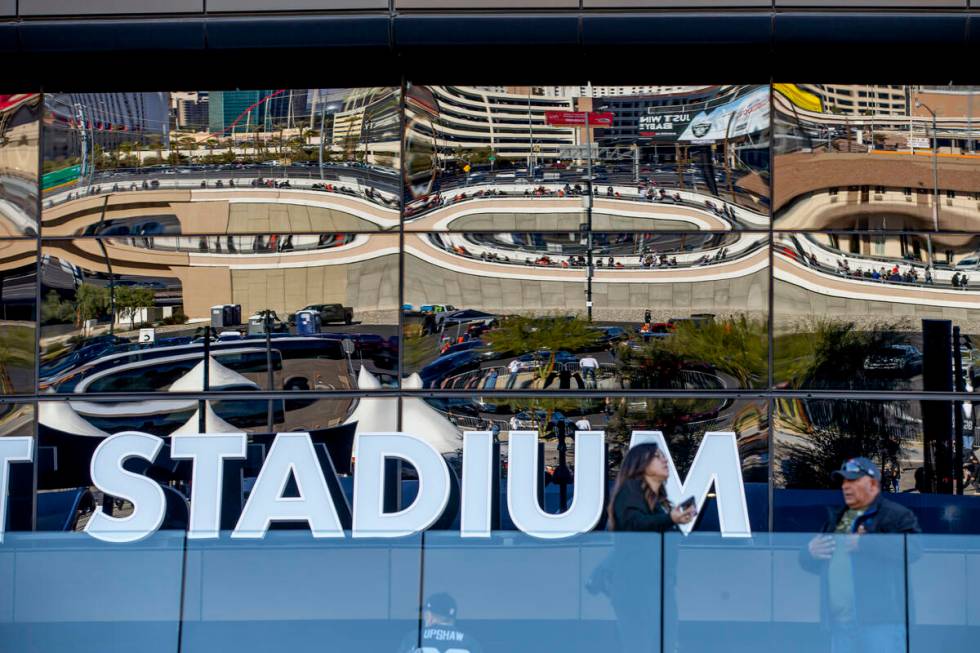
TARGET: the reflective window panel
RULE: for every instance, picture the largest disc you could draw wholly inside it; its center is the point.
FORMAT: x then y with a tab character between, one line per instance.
942	575
852	156
603	589
18	420
292	592
70	431
19	129
926	452
217	162
525	311
693	307
680	157
69	591
487	157
851	310
770	593
282	311
522	157
683	421
18	315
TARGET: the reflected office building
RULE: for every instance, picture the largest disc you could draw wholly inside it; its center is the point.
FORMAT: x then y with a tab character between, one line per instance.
857	157
502	158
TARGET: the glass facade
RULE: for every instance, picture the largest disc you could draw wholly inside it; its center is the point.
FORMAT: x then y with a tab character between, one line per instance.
795	263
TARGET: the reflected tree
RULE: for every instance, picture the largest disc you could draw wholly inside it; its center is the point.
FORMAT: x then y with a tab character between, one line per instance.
546	335
91	302
682	421
831	354
736	346
132	300
818	435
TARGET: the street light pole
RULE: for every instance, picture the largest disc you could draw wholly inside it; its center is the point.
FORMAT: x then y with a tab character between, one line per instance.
588	214
935	165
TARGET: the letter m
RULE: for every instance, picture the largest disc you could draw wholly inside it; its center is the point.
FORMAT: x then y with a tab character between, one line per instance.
716	463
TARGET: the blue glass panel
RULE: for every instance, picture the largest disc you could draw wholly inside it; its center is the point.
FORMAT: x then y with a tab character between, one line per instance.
71	592
515	593
769	593
944	607
290	592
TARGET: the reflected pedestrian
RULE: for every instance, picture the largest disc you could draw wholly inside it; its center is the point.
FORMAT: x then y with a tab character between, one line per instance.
861	594
631	575
439	633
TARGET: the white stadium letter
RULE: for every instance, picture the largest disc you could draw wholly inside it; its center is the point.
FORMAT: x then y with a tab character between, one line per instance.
522	494
292	454
146	495
370	451
12	450
477	499
716	462
207	453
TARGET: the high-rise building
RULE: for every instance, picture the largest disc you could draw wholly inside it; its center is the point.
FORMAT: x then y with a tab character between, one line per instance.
191	110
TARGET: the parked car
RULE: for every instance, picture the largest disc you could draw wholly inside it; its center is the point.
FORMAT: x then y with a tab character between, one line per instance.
530	420
445	366
900	359
328	313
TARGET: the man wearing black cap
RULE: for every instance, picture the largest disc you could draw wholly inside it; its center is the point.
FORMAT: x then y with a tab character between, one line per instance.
863	599
439	632
866	511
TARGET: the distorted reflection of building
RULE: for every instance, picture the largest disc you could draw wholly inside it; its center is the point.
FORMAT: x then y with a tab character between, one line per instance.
19	134
264	161
18	309
873	157
505	311
667	157
306	295
859	299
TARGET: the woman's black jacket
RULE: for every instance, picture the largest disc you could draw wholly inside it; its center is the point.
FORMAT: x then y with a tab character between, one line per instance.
632	513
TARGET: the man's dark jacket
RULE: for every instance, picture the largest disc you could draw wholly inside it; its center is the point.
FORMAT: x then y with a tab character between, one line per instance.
878	567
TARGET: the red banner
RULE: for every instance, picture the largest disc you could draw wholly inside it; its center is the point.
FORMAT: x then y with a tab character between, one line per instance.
578	118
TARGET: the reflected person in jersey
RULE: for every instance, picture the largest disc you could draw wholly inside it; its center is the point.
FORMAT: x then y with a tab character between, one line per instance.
439	631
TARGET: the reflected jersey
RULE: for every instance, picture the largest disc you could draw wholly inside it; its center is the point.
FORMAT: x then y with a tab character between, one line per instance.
441	639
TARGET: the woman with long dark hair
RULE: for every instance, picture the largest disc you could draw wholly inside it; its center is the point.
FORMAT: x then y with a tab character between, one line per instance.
631	574
639	500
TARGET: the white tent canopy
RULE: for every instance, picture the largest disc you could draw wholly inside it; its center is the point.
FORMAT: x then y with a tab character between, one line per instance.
212	423
221	378
60	416
373	414
377	414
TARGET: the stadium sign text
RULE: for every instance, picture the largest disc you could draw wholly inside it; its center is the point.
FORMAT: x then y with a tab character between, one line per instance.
323	506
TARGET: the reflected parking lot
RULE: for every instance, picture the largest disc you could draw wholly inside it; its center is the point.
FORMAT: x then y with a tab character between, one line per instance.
271	311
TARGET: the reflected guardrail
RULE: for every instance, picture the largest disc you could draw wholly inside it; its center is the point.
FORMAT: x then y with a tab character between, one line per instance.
637	592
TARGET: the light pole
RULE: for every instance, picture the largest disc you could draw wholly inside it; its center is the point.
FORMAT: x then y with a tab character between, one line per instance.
588	213
935	165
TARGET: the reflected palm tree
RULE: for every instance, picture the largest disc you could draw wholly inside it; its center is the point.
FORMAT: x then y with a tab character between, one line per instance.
815	443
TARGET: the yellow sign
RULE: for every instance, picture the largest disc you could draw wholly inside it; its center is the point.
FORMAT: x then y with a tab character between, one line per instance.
803	99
